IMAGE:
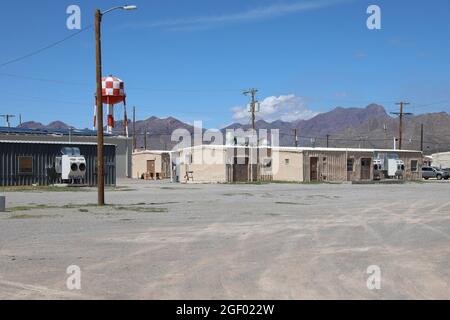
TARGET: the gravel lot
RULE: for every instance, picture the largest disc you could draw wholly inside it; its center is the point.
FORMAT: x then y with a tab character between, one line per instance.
278	241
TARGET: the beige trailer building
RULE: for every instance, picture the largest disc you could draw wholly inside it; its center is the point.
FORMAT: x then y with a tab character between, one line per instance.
151	165
222	164
203	164
338	164
441	160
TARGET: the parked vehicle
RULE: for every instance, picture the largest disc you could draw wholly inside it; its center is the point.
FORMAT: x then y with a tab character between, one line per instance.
430	172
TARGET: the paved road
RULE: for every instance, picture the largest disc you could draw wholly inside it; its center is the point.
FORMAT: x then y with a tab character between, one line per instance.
169	241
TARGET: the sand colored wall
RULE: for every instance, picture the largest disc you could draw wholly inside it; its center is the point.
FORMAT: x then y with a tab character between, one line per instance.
290	171
205	166
140	163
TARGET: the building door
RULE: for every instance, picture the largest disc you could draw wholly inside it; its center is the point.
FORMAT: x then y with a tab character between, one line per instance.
240	170
313	169
151	168
366	164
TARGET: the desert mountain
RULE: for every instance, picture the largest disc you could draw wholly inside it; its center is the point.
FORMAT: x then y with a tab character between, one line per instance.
369	127
55	125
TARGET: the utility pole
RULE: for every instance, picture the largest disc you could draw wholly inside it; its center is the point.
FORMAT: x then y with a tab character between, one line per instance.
7	118
328	140
253	93
134	128
401	114
20	119
145	139
100	160
99	101
421	137
296	138
125	122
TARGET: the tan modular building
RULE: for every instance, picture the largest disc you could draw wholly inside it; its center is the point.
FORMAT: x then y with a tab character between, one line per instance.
151	165
441	160
222	164
340	165
203	164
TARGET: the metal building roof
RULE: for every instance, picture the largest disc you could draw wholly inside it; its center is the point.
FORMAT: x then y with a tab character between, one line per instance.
297	149
55	142
60	132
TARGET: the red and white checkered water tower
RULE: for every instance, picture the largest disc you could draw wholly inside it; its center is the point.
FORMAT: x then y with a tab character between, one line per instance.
113	92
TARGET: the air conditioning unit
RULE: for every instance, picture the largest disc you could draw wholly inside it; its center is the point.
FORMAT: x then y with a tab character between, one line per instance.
389	166
71	166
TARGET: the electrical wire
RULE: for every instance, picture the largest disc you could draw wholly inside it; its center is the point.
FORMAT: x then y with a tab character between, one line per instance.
38	51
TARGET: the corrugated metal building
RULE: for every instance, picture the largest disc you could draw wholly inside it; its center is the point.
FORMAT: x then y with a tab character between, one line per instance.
123	144
27	162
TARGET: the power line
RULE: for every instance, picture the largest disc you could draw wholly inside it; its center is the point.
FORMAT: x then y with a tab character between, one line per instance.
45	79
429	104
175	90
36	52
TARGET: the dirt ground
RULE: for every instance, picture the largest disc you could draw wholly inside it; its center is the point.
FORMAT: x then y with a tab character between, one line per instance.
275	241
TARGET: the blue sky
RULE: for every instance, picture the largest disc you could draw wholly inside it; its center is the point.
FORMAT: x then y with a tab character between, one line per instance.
192	59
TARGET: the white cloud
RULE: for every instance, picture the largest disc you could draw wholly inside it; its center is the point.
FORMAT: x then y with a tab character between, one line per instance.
261	13
285	107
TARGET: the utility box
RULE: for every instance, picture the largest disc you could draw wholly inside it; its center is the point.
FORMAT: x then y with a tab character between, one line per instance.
2	204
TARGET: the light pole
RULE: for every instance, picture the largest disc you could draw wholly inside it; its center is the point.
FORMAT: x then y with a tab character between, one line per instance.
98	46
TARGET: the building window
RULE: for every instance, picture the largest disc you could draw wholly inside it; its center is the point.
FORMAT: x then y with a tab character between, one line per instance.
286	161
350	165
414	165
25	165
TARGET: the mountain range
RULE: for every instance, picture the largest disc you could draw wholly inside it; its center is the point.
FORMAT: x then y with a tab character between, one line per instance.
369	127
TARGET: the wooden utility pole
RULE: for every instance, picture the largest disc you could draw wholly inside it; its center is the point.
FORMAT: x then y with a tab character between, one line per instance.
134	128
401	114
253	93
100	160
145	139
99	101
328	140
7	118
421	137
296	138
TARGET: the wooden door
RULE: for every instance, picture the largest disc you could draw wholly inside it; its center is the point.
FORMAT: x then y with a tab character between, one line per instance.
240	170
313	169
366	164
151	168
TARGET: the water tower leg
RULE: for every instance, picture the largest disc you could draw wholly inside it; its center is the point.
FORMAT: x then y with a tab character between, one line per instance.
110	118
95	118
